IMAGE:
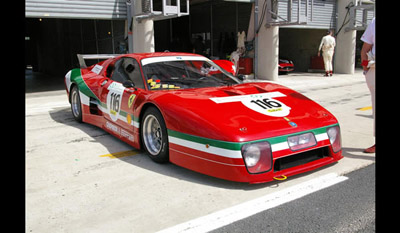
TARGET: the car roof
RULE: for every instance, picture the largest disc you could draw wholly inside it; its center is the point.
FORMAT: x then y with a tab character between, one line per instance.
140	56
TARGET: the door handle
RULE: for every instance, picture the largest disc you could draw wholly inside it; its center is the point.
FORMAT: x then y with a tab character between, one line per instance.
104	81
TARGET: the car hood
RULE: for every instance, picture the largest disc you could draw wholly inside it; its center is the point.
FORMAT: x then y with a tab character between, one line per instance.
241	113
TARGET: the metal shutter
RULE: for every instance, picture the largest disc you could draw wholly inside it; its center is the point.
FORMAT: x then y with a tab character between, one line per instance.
76	9
323	13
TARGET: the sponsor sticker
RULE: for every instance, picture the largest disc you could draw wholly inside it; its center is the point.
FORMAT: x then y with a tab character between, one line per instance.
96	69
126	134
119	131
113	128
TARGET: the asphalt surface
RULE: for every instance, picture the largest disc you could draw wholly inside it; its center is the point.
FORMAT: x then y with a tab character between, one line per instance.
345	207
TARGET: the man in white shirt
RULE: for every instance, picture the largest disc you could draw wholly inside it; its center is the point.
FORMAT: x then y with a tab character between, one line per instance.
327	45
368	64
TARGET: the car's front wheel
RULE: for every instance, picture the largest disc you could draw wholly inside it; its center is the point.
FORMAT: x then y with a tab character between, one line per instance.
154	135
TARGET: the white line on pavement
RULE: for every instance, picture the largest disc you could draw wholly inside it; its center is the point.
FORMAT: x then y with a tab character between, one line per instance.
227	216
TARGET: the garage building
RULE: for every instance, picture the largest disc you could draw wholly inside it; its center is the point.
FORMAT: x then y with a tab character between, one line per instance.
57	30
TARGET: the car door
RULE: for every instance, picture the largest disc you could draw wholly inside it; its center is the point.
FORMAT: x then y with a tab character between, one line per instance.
118	100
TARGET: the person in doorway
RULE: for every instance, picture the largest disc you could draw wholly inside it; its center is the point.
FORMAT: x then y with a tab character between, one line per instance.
368	64
199	47
327	45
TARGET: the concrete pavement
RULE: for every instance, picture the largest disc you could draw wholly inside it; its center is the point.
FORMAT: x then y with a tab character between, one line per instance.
74	184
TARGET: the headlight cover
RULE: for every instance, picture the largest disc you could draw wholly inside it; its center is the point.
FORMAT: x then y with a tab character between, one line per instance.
257	157
334	138
301	141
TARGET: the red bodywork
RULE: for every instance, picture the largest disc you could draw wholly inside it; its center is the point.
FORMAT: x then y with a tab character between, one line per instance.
205	118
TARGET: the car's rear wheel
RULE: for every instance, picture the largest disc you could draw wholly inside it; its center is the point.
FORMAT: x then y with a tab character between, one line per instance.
154	135
76	106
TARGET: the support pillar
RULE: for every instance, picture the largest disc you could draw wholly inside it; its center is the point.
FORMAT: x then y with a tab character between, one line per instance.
143	36
266	44
345	51
268	53
142	32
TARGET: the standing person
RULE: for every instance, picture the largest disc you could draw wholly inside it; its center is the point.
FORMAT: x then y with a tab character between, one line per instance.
368	64
327	45
199	47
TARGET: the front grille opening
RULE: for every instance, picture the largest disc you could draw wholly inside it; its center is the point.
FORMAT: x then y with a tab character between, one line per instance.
300	158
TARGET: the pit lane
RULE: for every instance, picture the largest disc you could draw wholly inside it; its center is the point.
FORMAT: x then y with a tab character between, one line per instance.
77	179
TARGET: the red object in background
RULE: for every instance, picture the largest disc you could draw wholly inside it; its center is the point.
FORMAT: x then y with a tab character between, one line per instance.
226	65
285	66
317	63
245	65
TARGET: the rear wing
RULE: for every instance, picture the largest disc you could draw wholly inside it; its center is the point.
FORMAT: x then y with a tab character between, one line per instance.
83	57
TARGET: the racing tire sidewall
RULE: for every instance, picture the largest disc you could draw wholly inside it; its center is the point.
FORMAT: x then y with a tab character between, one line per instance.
78	112
163	155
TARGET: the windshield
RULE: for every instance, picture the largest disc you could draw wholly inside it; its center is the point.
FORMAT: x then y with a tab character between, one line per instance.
183	74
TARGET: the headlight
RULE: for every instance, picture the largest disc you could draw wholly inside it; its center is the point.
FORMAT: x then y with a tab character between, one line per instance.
252	155
334	138
257	157
301	141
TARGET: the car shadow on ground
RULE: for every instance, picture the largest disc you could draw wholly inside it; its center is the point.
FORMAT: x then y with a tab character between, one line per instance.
357	153
141	160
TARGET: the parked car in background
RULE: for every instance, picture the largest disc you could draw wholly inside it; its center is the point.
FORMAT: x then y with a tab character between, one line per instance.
285	66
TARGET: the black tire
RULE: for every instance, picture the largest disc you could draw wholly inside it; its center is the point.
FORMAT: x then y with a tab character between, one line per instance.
154	135
76	106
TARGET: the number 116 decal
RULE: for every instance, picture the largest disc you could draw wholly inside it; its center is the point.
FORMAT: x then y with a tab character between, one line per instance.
114	98
262	103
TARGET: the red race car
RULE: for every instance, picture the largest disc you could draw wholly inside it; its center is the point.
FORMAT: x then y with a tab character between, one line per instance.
185	109
285	66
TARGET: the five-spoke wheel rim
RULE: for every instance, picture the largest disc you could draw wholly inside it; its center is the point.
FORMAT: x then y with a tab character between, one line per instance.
152	135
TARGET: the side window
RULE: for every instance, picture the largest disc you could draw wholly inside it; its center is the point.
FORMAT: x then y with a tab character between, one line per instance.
133	72
119	73
109	70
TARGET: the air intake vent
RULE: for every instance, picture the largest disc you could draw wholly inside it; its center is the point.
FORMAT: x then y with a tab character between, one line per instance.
231	93
300	158
260	90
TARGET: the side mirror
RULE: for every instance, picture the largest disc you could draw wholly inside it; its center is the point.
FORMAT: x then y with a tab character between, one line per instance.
128	84
240	77
129	68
